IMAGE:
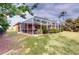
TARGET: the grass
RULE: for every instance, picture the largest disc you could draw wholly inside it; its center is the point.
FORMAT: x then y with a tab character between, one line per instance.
15	36
64	43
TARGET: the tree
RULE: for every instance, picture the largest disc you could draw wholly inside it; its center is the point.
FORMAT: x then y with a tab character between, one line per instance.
35	6
76	21
10	9
3	22
69	24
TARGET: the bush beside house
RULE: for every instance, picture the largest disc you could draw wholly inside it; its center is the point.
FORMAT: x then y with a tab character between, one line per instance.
54	30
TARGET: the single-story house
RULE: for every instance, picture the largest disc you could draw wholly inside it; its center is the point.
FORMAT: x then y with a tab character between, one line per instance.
33	24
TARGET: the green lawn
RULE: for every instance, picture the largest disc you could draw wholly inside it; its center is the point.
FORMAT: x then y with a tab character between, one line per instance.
15	36
66	43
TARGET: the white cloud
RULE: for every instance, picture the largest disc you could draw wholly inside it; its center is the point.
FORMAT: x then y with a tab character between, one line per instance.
53	10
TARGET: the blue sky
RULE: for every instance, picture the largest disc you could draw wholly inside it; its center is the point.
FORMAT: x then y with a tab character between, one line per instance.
51	11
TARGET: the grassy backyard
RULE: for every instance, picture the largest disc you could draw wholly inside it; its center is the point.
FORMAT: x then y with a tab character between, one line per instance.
48	44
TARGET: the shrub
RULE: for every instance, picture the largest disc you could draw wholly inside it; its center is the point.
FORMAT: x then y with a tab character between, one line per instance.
44	30
53	30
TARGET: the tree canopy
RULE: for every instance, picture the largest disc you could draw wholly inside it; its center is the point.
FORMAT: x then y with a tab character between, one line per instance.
11	9
71	25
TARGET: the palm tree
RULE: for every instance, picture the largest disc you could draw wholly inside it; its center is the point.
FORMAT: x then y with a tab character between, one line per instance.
61	15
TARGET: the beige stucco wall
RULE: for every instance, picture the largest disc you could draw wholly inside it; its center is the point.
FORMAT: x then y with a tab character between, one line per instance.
15	28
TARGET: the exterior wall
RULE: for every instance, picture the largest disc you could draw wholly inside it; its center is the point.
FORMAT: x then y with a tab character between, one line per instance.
16	27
